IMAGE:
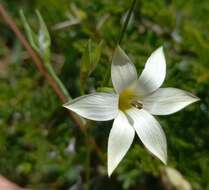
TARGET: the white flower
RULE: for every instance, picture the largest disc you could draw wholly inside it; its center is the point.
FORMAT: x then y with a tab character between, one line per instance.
133	105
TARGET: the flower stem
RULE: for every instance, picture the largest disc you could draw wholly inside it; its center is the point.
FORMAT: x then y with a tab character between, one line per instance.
126	21
57	80
40	66
88	159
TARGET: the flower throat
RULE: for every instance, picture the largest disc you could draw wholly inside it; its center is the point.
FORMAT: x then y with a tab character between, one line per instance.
127	99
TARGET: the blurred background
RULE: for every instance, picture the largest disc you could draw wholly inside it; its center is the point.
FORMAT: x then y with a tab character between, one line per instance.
40	145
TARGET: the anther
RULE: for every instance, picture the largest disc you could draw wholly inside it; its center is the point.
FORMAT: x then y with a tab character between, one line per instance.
137	104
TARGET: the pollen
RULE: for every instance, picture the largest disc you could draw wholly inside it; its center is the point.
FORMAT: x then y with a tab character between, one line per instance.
126	99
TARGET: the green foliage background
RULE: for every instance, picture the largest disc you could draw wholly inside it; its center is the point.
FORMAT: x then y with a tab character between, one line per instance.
41	148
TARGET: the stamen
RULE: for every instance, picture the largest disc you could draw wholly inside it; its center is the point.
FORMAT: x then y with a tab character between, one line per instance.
137	104
127	99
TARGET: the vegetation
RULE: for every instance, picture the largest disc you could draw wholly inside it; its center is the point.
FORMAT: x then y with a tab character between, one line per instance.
41	147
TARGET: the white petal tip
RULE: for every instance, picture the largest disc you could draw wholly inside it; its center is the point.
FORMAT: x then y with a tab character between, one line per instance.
193	98
119	141
162	158
164	161
118	48
153	74
120	56
167	101
110	168
66	105
109	173
196	99
123	71
160	50
96	106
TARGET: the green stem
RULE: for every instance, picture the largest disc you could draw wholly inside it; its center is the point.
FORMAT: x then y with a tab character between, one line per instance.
126	21
87	139
88	161
57	79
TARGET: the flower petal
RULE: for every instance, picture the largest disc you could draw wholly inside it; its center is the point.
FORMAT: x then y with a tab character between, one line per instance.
120	139
123	71
153	74
96	106
166	101
150	132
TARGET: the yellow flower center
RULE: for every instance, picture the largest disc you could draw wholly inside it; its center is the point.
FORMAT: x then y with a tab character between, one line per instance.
127	99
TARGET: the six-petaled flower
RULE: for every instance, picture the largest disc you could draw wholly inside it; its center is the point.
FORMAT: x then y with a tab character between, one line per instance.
132	105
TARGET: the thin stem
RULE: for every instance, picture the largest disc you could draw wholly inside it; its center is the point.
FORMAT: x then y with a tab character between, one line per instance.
62	87
8	20
88	159
40	66
126	21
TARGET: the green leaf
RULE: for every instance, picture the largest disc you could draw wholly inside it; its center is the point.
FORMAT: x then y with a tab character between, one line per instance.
41	42
95	56
89	61
85	64
29	32
105	89
44	39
